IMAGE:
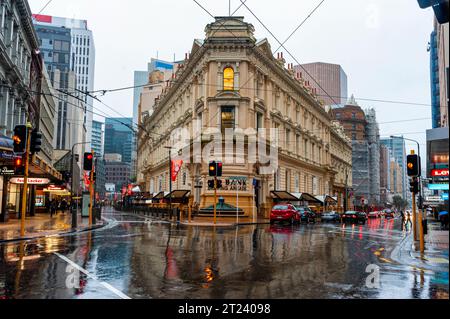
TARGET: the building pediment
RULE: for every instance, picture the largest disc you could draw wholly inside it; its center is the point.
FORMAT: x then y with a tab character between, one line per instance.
264	46
227	95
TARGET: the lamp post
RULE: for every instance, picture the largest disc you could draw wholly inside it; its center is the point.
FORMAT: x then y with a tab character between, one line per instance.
170	179
72	157
420	178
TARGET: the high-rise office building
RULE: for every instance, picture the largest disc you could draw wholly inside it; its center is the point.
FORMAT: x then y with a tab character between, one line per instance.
119	138
331	78
141	78
55	47
78	56
397	152
97	138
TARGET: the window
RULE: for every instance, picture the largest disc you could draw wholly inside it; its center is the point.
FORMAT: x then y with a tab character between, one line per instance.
65	46
227	118
57	45
306	148
228	79
338	115
354	136
288	139
259	120
353	115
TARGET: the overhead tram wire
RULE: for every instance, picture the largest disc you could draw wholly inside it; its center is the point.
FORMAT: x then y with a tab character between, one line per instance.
46	5
282	45
270	90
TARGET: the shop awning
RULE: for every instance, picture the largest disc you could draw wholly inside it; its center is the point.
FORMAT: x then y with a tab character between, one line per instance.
177	194
307	198
160	195
326	199
283	195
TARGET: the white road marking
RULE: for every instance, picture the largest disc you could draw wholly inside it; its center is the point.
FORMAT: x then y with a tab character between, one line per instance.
87	273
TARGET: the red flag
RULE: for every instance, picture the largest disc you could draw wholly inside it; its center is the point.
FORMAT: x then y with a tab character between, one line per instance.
176	167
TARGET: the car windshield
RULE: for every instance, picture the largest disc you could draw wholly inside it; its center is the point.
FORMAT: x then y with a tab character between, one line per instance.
280	207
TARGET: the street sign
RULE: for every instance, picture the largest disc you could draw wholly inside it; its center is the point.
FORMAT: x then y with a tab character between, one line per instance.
6	171
438	187
440	172
31	181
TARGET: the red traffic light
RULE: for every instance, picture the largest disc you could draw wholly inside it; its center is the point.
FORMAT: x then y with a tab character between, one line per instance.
89	156
18	162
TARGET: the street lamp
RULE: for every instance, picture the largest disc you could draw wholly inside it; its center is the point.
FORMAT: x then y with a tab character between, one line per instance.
170	179
72	157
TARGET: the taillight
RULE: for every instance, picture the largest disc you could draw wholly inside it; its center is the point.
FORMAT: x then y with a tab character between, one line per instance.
354	216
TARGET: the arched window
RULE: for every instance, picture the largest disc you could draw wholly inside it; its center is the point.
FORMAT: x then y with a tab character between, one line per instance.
228	79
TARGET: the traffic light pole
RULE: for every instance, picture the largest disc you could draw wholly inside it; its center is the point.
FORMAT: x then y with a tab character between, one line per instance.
414	216
215	200
25	183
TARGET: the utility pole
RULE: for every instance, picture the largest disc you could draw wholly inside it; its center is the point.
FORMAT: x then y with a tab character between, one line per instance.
25	182
170	180
346	191
74	211
91	191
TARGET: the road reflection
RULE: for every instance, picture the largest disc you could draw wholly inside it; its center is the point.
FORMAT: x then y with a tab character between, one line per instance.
160	260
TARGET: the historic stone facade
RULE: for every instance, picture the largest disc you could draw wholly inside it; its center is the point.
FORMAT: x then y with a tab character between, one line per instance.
231	81
341	161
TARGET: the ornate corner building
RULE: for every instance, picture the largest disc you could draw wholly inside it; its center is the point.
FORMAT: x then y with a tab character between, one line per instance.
232	81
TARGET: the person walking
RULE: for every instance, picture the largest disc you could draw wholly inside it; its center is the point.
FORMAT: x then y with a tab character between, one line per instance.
408	220
402	215
63	205
53	207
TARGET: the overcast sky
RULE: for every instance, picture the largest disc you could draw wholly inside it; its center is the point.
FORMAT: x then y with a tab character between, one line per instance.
381	44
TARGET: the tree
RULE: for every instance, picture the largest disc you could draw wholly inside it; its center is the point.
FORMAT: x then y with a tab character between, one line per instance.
399	203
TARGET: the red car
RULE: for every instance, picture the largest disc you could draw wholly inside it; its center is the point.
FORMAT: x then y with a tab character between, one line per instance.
284	213
389	213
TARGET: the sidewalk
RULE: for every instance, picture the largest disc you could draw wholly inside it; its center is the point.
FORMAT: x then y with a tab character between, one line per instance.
223	224
436	252
42	225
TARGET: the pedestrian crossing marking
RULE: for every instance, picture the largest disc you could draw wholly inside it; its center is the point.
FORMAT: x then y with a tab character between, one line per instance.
438	260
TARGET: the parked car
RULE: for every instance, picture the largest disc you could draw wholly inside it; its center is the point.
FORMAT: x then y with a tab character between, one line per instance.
331	217
354	217
374	214
388	213
306	215
284	213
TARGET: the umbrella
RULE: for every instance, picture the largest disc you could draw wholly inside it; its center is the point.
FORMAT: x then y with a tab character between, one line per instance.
443	213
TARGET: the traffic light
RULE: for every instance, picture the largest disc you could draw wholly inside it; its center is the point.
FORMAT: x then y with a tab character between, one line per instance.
20	138
36	142
414	185
19	166
219	169
215	169
212	169
88	161
413	165
440	8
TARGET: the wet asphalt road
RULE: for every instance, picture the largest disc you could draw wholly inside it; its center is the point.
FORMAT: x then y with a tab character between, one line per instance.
135	257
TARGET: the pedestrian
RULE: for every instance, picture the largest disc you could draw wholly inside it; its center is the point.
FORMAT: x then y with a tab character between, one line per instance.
53	207
63	205
408	220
